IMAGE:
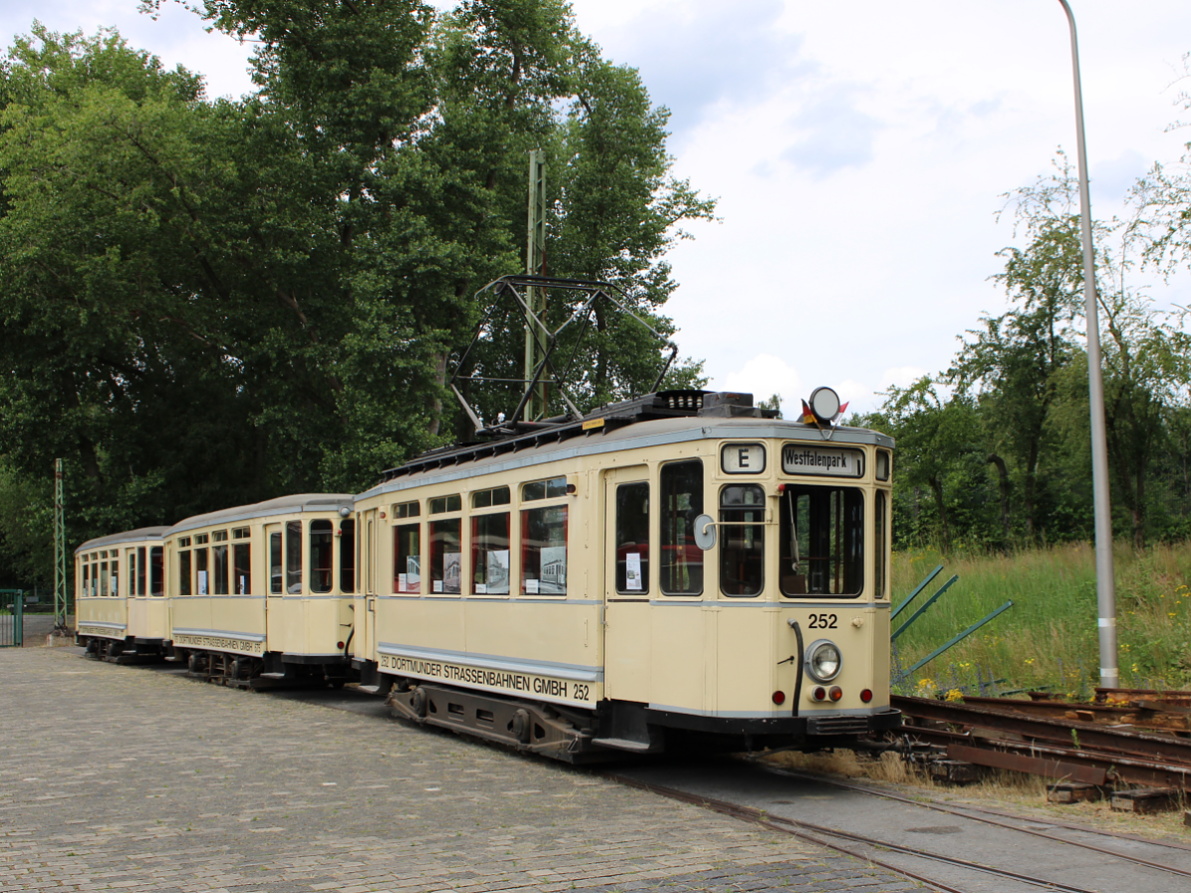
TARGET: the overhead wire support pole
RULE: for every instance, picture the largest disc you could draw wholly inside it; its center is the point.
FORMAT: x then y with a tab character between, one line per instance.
535	263
1105	584
60	607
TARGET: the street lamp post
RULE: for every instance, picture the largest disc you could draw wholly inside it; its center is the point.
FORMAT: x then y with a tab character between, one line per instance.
1105	590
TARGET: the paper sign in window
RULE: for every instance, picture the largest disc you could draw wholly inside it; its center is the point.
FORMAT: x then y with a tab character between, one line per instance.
632	572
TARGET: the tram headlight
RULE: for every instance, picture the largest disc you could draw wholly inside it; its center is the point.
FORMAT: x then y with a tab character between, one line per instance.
823	660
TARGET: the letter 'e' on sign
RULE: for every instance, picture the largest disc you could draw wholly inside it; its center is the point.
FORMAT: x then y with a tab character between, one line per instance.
742	458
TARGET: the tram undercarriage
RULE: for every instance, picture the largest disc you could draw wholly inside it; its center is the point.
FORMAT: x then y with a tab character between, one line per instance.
271	670
123	651
615	729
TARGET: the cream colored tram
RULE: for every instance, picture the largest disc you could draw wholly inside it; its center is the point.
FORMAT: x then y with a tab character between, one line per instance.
120	610
264	591
678	567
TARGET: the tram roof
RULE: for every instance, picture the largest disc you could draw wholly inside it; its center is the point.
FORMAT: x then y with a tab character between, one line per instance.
302	502
668	417
126	536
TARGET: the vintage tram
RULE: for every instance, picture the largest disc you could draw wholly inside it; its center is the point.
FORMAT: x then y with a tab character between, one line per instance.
680	567
264	591
121	612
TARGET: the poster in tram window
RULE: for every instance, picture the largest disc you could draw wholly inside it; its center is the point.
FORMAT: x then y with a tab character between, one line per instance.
497	572
554	569
411	580
632	572
452	568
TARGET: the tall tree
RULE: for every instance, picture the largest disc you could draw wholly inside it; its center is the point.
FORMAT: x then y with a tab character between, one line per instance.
942	491
619	212
1011	364
221	301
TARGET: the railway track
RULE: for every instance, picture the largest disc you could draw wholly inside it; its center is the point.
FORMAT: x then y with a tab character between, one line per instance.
1097	745
958	849
944	846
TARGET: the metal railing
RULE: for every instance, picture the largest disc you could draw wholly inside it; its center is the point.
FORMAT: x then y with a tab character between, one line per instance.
12	618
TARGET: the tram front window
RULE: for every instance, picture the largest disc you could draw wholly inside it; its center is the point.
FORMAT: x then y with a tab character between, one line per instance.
822	541
742	551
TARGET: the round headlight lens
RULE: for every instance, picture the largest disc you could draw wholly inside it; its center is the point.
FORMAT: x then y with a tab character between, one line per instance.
823	660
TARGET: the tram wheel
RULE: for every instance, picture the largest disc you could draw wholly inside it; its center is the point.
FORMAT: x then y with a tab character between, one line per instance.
417	701
520	725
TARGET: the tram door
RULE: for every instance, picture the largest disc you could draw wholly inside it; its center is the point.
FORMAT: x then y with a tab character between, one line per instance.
365	605
627	584
274	579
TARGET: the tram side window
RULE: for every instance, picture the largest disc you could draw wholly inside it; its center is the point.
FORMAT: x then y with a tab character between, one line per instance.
544	550
184	573
142	572
445	556
242	568
407	558
490	553
275	583
347	555
632	538
86	578
219	569
293	556
201	572
681	503
132	572
822	541
742	550
321	547
103	576
156	571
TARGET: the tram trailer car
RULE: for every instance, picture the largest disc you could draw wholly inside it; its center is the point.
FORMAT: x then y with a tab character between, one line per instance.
264	591
121	612
683	567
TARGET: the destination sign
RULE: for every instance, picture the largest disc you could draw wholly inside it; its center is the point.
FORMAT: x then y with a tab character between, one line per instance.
799	458
742	458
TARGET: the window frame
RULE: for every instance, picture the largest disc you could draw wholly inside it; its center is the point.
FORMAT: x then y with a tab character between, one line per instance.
749	556
678	552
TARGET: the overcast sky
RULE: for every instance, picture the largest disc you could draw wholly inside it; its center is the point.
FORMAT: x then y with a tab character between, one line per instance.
859	151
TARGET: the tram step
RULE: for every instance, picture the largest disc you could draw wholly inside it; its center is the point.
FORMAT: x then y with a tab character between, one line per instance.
272	676
370	689
622	744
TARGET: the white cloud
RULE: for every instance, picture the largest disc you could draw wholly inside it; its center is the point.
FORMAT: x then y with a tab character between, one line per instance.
763	376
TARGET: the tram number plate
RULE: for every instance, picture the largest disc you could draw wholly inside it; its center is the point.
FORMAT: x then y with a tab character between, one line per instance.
824	621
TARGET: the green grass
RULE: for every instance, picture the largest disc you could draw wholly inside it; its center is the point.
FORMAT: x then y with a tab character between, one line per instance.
1049	639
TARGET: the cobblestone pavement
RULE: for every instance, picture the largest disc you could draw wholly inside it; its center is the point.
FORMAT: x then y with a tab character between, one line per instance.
120	778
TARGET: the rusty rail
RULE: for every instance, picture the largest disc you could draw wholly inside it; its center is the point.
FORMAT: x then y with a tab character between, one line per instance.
1007	735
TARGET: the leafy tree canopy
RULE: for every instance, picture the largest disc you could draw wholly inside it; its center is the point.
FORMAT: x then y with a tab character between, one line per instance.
211	302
